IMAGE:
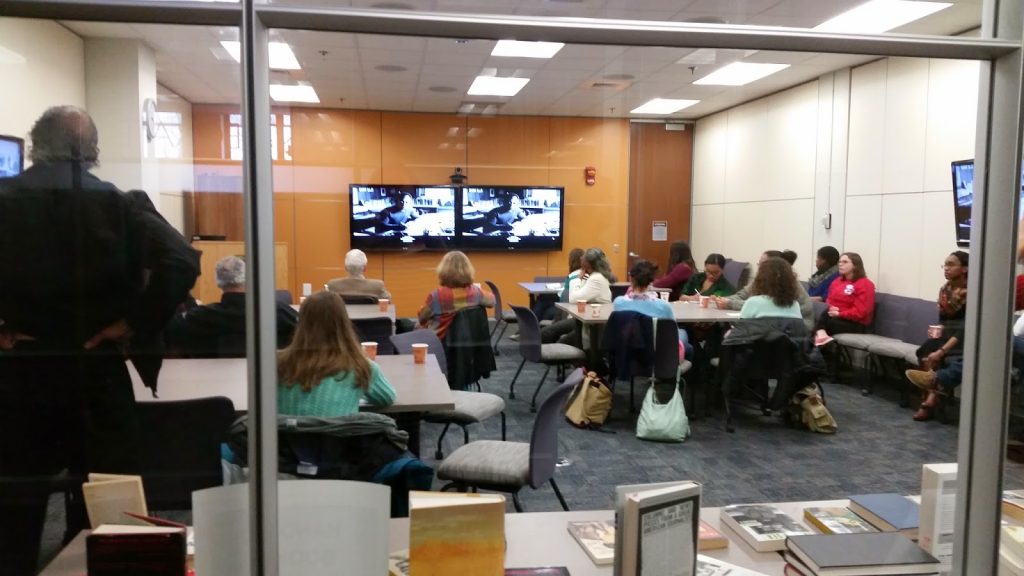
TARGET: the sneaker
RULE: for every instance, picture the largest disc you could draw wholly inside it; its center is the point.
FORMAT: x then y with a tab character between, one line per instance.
822	338
923	379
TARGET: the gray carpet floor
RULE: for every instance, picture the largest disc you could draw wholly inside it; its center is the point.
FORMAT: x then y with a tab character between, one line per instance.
878	448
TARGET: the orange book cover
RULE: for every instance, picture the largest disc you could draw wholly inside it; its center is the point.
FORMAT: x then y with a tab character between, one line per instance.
456	533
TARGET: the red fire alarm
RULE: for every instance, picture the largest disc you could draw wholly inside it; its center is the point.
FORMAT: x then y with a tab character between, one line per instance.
590	175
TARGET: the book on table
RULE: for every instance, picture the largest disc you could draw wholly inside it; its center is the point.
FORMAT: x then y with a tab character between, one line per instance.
621	492
763	526
596	537
1011	549
108	496
708	566
708	538
937	511
122	550
452	533
888	512
1013	504
659	530
836	520
865	554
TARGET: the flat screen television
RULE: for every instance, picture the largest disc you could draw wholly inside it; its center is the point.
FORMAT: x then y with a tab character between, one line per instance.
510	218
963	199
12	156
402	217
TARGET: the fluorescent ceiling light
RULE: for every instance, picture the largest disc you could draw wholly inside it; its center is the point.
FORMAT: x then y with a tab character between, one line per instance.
663	106
878	16
293	93
517	49
740	73
494	86
281	55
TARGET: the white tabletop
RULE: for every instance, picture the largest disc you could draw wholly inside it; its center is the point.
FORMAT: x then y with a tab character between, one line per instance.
541	287
364	311
684	312
418	387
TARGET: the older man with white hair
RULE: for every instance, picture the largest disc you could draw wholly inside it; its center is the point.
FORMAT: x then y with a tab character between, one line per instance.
356	283
218	330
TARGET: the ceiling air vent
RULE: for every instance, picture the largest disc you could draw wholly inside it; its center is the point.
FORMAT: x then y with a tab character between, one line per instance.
605	84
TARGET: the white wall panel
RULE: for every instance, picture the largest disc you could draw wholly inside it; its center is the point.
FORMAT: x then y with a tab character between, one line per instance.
867	117
789	224
789	144
906	111
899	265
938	239
864	230
707	230
709	159
952	118
744	231
746	167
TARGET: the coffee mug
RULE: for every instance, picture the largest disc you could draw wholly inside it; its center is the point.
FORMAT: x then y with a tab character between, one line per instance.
370	350
595	310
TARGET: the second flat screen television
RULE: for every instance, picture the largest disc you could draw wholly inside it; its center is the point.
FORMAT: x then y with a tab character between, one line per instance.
963	199
402	217
511	218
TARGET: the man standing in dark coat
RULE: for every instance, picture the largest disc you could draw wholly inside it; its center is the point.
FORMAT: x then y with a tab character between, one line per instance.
82	269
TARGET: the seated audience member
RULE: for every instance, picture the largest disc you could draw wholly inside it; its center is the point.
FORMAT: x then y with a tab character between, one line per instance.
456	291
218	330
324	372
827	265
774	292
851	300
736	301
935	382
940	350
790	257
680	269
710	282
544	306
402	210
640	298
591	286
356	283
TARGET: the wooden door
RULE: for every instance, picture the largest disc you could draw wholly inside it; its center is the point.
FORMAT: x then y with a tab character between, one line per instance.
660	174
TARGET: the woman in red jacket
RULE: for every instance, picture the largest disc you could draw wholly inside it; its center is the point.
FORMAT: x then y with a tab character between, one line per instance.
851	300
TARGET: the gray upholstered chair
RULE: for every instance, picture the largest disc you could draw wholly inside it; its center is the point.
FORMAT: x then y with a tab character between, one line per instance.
509	466
502	317
737	273
531	348
470	407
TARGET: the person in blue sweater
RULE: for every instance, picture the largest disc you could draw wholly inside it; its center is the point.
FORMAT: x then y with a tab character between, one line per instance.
324	371
640	298
827	264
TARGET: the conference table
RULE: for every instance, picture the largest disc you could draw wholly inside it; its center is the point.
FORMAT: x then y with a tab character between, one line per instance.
535	289
685	313
418	387
364	311
541	539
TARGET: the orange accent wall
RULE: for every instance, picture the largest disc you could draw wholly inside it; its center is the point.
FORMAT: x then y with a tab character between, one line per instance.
331	149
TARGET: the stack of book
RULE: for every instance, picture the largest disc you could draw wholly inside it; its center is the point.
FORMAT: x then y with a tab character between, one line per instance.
863	554
763	526
888	512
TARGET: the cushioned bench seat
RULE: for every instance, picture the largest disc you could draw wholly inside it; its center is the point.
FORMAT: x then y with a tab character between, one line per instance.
863	341
895	349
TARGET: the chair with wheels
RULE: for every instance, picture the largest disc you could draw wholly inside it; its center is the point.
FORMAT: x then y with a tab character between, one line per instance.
470	407
531	349
509	466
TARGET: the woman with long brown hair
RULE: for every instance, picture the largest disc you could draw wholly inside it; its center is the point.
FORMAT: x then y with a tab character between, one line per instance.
324	372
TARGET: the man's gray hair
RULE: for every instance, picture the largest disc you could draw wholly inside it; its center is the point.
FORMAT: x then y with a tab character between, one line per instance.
64	134
355	262
230	272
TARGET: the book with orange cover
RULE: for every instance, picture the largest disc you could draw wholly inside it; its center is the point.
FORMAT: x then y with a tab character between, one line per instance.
456	534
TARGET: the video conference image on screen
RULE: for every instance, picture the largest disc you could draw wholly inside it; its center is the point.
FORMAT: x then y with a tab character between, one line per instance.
512	214
402	214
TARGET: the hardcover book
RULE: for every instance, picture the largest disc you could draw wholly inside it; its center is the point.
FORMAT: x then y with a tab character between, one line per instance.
837	521
888	512
118	550
456	534
659	529
763	526
708	538
597	538
938	508
620	501
883	553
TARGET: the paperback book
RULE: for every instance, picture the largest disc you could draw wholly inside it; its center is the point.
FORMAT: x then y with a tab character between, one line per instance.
708	566
597	538
1013	504
763	526
109	496
456	534
888	512
660	530
621	492
837	521
708	538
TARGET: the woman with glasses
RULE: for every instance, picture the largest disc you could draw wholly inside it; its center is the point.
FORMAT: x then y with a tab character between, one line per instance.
851	300
944	347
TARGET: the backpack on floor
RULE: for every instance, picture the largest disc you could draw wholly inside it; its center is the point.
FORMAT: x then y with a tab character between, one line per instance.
807	409
589	402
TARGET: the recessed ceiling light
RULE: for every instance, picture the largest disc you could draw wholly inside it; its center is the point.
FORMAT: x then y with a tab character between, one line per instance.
494	86
293	93
663	106
517	49
390	68
878	16
441	89
281	55
740	73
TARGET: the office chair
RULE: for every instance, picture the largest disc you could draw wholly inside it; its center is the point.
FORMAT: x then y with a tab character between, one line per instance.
509	466
531	348
377	330
502	317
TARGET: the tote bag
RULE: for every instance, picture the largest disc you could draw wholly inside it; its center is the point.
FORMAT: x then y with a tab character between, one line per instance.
664	422
589	403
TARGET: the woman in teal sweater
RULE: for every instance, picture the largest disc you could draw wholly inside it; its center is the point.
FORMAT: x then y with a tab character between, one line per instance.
324	372
774	292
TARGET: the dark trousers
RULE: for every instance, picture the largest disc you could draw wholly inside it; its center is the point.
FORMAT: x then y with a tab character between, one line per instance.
57	412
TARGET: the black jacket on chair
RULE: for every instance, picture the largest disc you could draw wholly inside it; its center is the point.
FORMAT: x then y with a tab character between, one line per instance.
468	348
767	348
629	340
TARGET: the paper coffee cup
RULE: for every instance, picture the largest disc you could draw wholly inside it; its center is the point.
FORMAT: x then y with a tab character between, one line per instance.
663	295
595	310
383	303
370	349
419	353
935	331
705	301
581	306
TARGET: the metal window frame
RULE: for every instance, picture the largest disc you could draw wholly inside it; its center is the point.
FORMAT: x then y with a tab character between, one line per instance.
998	160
